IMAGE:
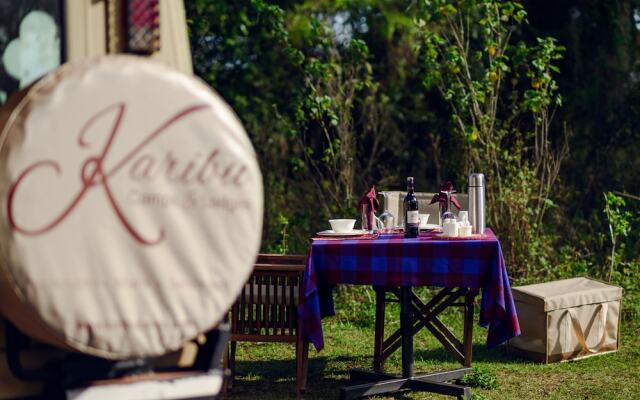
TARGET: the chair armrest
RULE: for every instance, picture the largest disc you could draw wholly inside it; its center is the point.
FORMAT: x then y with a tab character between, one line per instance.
280	263
281	259
279	268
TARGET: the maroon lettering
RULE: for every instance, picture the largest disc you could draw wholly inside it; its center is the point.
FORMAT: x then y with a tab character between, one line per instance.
95	174
170	168
195	170
142	168
187	173
239	174
210	165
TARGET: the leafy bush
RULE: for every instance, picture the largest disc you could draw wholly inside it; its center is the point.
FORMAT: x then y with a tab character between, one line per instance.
623	267
319	112
481	378
337	96
502	96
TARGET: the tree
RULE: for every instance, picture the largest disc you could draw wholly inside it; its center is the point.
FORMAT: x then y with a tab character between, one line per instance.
503	96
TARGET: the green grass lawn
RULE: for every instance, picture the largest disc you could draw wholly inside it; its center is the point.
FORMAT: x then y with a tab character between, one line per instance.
267	371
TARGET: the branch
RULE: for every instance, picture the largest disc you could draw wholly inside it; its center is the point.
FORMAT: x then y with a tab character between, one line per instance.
627	195
467	70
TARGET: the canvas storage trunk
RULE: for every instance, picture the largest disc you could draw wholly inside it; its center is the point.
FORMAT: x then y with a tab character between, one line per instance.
567	319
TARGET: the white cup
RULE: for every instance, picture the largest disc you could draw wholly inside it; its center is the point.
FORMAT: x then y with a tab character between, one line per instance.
463	216
464	231
342	225
450	227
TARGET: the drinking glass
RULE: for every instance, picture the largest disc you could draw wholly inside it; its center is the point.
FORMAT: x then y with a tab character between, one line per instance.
387	219
463	216
445	208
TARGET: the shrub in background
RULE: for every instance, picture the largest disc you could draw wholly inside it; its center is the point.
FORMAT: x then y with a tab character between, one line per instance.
335	97
502	95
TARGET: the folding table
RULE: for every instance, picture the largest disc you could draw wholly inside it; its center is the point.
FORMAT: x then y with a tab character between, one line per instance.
394	265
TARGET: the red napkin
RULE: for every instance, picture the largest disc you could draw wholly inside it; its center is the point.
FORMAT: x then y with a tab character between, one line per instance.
368	205
441	197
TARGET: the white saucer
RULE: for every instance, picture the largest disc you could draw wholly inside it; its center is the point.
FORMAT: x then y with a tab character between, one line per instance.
355	232
470	237
429	227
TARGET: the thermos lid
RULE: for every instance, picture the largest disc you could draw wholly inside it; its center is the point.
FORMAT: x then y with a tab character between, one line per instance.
476	179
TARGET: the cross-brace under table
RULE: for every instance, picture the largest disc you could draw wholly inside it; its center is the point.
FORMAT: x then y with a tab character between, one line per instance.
414	316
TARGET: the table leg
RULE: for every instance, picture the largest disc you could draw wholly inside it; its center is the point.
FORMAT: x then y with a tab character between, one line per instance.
379	328
468	326
380	383
406	328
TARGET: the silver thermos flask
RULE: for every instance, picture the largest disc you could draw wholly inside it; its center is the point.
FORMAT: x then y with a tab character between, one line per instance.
476	203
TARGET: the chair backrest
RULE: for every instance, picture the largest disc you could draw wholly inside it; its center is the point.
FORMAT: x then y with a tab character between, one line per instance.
395	205
267	305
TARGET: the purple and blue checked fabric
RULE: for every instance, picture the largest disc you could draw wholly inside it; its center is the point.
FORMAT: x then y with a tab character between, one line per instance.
392	260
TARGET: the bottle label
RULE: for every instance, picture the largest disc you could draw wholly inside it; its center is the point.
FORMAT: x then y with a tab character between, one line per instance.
413	217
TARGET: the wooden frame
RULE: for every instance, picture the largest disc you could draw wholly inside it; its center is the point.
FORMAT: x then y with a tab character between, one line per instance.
414	316
266	311
426	316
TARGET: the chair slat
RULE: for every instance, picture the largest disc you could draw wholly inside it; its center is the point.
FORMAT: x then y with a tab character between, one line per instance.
243	305
234	318
282	291
274	305
251	304
291	303
267	306
259	302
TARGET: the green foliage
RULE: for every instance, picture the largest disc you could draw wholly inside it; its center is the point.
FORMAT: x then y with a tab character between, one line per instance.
327	116
624	268
242	49
480	377
339	87
627	276
619	224
339	95
357	305
502	95
282	247
619	218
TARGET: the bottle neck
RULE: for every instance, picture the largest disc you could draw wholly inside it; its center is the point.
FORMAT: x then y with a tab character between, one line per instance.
410	185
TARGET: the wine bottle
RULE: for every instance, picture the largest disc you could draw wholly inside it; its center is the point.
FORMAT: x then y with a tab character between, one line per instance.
411	217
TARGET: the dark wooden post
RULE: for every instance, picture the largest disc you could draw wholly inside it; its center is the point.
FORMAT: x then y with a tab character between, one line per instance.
406	328
378	361
468	326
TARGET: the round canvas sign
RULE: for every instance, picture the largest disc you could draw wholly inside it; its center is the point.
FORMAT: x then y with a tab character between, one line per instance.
132	208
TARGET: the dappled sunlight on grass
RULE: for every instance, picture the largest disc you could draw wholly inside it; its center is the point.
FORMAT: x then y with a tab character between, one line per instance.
267	371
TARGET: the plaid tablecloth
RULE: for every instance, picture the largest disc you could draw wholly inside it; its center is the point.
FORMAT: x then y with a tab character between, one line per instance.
392	260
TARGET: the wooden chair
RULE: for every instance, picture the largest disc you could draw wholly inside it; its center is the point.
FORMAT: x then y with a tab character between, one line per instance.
266	311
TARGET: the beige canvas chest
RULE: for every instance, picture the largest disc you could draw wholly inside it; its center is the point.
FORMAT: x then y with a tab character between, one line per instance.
567	319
